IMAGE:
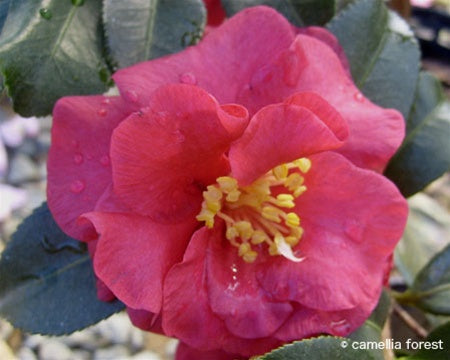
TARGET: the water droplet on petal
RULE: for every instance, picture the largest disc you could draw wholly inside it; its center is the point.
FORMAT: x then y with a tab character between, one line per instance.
131	95
102	112
188	78
179	137
359	97
340	328
106	101
104	160
77	186
354	230
45	13
78	159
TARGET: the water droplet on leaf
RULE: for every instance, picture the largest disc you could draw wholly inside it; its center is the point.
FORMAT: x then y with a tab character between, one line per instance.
77	186
102	112
45	13
78	159
188	78
72	245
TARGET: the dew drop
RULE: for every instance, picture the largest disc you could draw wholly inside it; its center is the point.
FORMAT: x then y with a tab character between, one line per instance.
106	101
340	328
354	230
179	137
102	112
56	246
104	160
78	159
188	78
131	95
77	186
45	13
77	2
359	97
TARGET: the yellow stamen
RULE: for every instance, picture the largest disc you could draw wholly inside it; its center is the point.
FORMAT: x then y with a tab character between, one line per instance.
255	218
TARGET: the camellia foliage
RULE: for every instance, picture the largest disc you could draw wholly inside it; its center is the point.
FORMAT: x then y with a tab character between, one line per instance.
245	189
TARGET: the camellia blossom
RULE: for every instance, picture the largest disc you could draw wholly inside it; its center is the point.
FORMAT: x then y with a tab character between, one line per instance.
231	196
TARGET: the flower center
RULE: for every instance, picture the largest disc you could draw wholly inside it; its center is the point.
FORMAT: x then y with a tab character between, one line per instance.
256	216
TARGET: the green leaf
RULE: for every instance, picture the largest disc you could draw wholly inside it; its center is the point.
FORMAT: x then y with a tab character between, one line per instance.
47	285
438	340
4	8
372	327
427	232
139	30
431	288
425	152
321	348
383	54
298	12
51	48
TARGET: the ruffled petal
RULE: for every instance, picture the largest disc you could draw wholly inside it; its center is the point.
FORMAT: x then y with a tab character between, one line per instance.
165	155
234	293
78	160
221	64
187	314
145	320
305	124
133	255
311	65
352	219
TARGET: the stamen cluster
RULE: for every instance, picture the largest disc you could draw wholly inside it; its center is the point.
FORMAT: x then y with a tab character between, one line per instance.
254	215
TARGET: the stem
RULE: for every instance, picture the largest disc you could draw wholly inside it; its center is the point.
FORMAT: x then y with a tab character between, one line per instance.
410	321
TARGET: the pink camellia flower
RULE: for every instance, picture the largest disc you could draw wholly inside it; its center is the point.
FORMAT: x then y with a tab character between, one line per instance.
231	194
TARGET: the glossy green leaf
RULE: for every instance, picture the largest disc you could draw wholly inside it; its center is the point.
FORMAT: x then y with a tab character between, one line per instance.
4	8
425	152
431	288
298	12
47	285
427	232
438	340
51	48
139	30
383	54
321	348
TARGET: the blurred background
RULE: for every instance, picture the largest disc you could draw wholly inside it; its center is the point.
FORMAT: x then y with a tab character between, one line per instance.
24	143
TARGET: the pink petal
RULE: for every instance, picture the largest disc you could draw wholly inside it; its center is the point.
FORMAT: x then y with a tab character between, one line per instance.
221	64
163	156
303	125
310	65
78	161
133	266
145	320
187	314
352	218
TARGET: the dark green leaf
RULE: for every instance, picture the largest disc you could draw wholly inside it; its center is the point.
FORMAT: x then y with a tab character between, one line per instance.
425	152
47	285
49	49
321	348
298	12
139	30
4	8
383	54
427	232
431	288
438	340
